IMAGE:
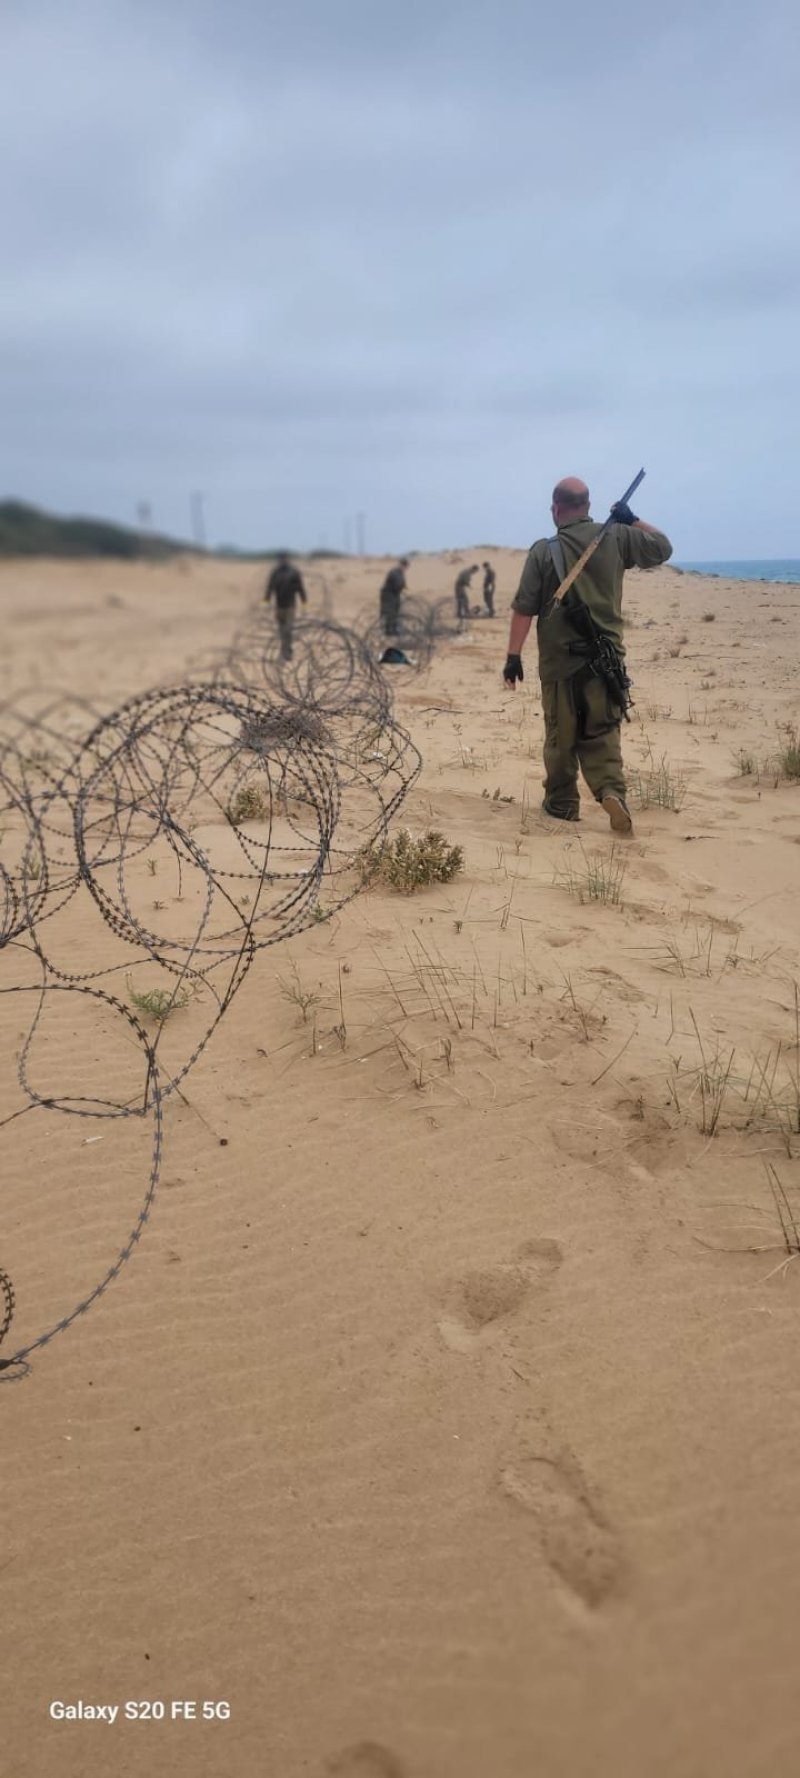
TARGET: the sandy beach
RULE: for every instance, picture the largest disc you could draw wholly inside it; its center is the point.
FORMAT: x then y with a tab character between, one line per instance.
443	1423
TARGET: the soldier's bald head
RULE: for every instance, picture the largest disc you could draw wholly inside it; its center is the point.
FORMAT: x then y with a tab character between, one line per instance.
571	495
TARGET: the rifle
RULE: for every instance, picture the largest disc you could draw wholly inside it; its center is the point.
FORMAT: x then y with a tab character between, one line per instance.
601	653
600	649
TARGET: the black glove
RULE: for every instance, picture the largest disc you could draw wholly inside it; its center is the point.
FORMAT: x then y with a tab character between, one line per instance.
622	515
512	670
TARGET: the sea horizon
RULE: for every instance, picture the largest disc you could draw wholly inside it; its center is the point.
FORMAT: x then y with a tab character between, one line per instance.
785	570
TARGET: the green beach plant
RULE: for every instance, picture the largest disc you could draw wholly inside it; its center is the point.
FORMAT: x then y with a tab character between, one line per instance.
407	864
158	1003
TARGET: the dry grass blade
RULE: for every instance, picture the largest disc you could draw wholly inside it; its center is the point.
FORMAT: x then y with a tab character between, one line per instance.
615	1059
658	786
569	994
786	1216
600	877
713	1079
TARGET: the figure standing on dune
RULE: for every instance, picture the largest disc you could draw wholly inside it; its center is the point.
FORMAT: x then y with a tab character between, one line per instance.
489	583
581	719
286	584
462	590
390	595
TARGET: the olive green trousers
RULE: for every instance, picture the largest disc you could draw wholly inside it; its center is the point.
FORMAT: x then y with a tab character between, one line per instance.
581	730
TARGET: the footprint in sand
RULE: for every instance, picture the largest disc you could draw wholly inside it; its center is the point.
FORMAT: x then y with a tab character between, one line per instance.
597	1144
368	1760
576	1540
617	983
481	1303
557	940
652	873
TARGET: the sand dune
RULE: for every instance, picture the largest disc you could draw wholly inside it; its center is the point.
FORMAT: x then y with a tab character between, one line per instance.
443	1420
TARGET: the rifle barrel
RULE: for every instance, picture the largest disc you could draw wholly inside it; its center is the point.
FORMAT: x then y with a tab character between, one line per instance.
632	489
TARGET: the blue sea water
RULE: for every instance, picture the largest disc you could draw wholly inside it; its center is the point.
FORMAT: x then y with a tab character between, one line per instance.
786	571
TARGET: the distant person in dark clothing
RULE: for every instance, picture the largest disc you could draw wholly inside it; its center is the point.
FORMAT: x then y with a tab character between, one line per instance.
391	592
489	582
462	592
286	583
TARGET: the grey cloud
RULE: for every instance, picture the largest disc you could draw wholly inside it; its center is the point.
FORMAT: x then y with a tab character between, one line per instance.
422	258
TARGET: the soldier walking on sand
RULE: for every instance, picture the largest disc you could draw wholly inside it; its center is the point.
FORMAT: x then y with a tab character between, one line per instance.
286	583
462	592
581	719
489	583
390	595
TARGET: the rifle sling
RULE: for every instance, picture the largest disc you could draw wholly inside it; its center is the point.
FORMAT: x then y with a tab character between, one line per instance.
557	553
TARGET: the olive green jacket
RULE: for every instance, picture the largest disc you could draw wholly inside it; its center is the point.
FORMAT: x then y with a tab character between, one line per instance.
599	586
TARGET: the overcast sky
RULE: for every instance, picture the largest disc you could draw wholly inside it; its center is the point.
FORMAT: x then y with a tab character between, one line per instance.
415	258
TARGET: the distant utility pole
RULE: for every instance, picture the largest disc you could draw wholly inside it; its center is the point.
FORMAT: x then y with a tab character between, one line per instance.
198	520
348	537
360	523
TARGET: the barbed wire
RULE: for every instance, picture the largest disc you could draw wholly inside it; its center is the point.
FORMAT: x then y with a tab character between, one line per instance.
251	790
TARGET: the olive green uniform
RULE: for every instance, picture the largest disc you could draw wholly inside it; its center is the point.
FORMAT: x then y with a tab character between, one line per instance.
581	723
391	592
463	587
286	584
